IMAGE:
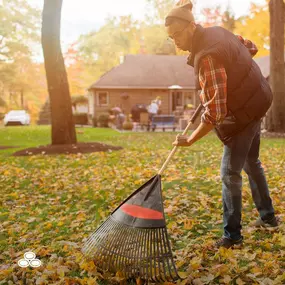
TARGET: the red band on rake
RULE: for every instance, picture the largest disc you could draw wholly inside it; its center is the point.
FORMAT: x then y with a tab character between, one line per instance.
141	212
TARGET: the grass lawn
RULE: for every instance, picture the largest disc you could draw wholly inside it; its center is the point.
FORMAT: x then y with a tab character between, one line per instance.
50	203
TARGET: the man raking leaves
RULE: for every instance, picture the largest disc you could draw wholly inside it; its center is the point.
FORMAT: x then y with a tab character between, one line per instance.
133	240
235	96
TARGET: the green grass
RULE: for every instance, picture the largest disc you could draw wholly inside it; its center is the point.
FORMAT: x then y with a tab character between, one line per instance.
71	195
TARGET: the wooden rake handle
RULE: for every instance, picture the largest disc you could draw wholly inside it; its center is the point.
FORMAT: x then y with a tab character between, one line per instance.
192	120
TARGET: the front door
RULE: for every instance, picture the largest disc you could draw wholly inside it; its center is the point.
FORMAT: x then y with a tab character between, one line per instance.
177	100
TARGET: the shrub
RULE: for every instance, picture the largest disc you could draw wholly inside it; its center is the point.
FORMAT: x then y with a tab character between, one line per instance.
80	119
103	120
94	122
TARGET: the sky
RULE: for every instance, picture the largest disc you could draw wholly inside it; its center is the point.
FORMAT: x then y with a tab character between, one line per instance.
82	16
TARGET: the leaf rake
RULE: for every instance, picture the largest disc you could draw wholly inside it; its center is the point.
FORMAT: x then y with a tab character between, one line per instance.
134	239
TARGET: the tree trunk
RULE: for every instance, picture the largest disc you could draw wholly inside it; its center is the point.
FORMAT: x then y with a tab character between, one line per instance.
63	129
276	117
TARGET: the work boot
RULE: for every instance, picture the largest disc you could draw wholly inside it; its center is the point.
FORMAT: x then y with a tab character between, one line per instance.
272	223
228	242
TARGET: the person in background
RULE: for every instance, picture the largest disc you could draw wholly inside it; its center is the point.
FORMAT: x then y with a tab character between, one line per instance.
152	110
235	96
158	102
120	120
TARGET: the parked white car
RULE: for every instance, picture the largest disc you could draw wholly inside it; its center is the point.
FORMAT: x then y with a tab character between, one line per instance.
17	117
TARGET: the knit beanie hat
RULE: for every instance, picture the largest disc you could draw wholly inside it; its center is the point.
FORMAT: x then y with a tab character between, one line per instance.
182	10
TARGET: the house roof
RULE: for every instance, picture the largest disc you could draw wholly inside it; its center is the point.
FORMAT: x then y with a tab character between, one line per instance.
148	71
157	72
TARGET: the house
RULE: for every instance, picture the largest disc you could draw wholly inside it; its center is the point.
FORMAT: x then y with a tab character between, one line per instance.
141	78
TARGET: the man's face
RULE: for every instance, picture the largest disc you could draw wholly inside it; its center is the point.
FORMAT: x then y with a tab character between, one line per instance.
182	34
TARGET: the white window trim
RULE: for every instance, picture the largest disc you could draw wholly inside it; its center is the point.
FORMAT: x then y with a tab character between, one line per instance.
97	99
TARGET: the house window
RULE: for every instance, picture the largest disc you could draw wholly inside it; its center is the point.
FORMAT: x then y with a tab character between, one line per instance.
102	99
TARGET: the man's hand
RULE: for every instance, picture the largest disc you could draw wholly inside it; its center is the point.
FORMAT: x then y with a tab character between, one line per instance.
182	141
202	130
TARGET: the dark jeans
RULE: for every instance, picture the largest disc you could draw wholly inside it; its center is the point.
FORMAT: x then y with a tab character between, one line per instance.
242	152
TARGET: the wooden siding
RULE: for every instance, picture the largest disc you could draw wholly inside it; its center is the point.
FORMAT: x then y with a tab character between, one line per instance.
141	96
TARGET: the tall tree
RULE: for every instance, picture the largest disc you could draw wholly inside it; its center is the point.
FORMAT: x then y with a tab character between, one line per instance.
158	10
63	129
255	27
276	118
229	21
19	30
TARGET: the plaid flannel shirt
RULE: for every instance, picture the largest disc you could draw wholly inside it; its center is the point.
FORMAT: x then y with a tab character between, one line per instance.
213	81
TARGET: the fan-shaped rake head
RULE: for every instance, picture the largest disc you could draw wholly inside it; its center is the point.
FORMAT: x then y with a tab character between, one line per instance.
135	252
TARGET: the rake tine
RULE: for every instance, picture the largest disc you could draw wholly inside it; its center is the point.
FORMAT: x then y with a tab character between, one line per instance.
142	254
154	255
172	261
121	245
139	260
119	242
136	254
128	264
150	252
154	266
93	239
167	254
122	258
100	253
133	252
157	268
160	279
163	254
149	255
87	244
145	254
106	251
113	246
128	255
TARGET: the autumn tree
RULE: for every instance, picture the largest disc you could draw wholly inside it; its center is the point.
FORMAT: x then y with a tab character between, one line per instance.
255	27
63	129
19	30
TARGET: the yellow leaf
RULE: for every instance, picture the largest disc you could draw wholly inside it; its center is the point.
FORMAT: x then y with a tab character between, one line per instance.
180	263
139	281
91	281
227	279
239	282
195	263
65	248
48	226
282	240
183	275
60	273
49	266
188	224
